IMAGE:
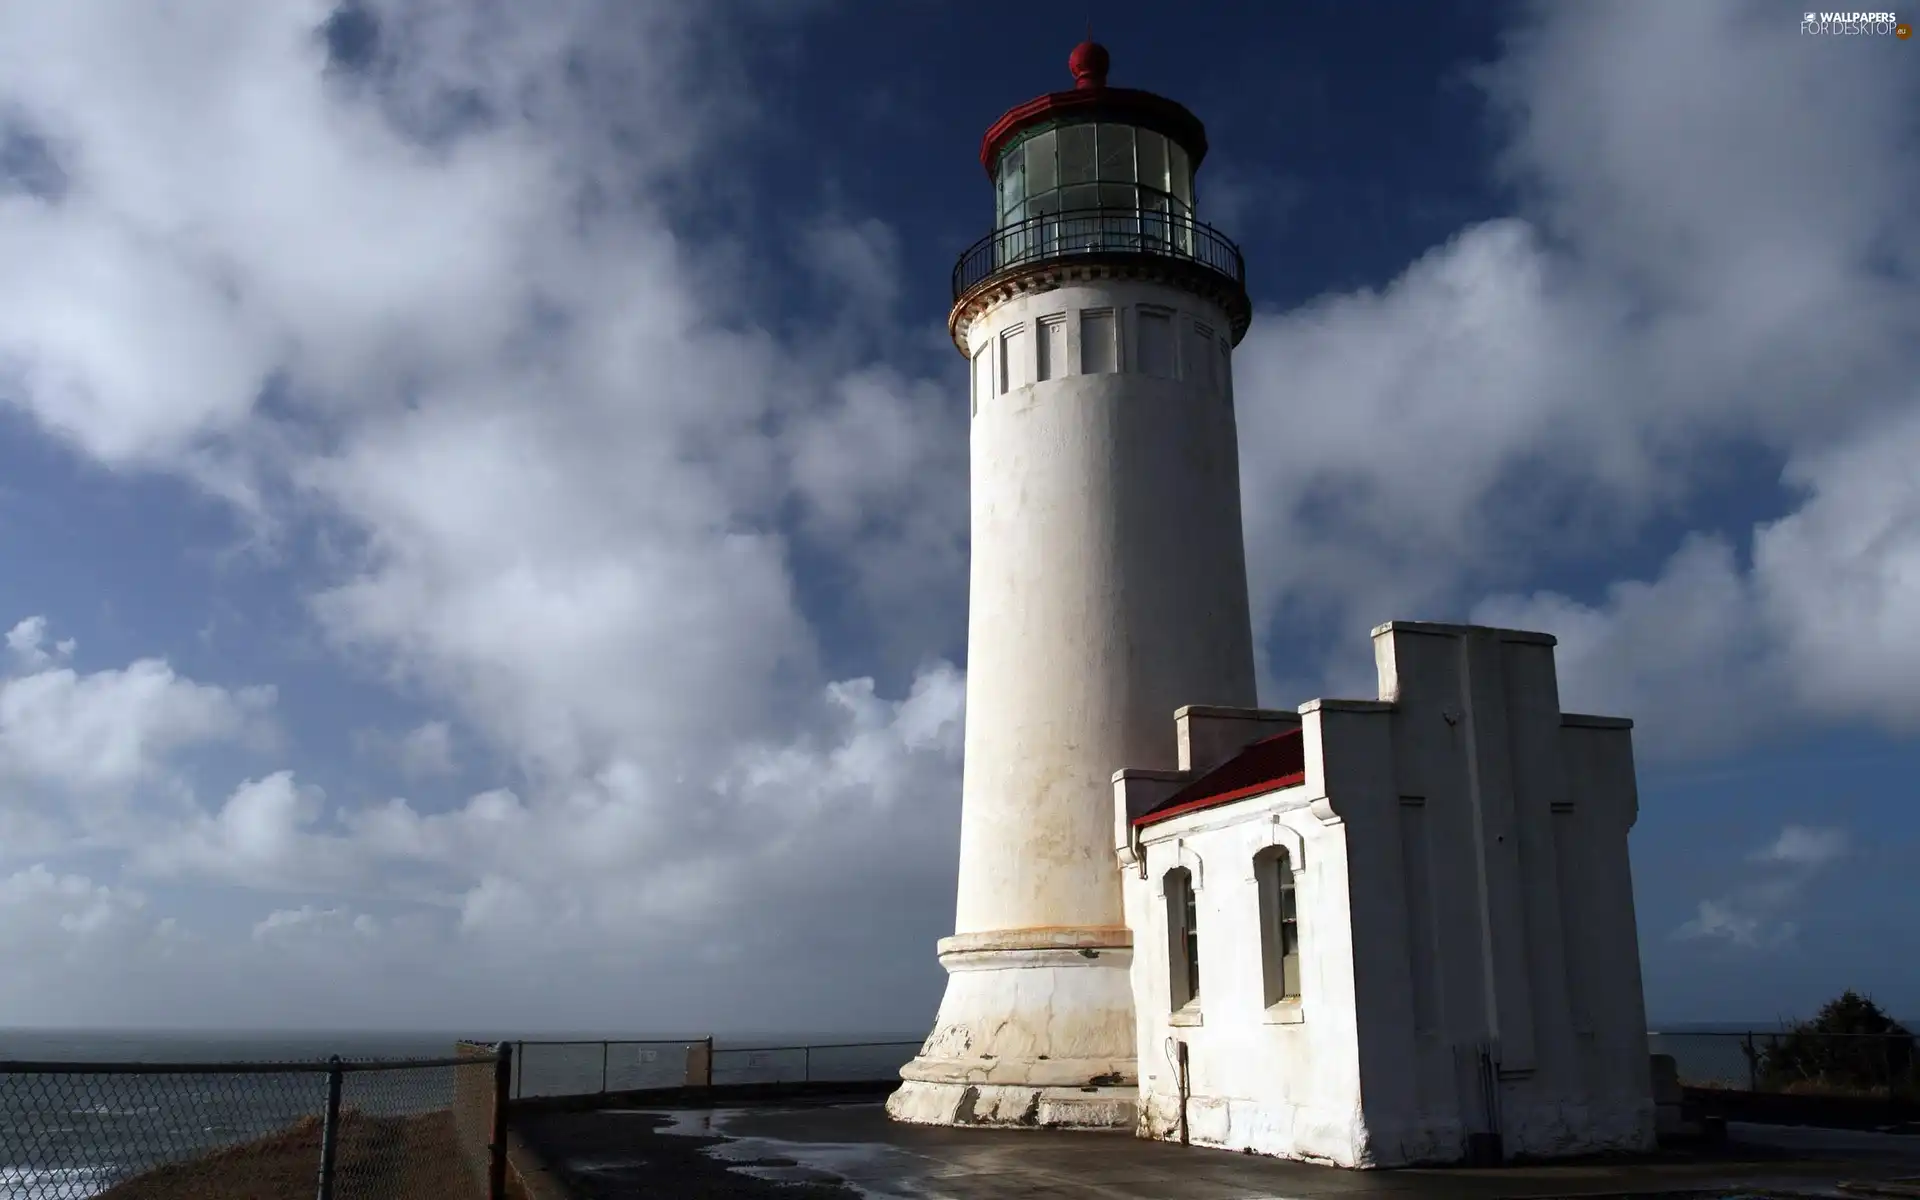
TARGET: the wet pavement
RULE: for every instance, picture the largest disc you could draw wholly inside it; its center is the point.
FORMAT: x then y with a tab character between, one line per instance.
820	1149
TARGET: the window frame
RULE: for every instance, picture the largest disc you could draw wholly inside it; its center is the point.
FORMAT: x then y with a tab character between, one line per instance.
1183	940
1280	934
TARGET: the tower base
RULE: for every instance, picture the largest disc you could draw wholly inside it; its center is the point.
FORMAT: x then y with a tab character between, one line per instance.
1036	1029
1014	1106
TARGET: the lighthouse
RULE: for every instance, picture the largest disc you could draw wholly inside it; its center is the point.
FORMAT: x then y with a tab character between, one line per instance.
1108	584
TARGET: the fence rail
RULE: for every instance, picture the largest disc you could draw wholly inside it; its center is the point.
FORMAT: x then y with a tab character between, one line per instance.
341	1129
556	1067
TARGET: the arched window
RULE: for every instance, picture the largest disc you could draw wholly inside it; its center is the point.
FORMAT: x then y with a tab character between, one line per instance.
1279	925
1183	939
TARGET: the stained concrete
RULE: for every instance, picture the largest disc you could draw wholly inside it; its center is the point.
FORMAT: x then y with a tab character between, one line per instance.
825	1149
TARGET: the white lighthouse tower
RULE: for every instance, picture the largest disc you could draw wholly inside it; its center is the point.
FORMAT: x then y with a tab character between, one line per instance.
1109	582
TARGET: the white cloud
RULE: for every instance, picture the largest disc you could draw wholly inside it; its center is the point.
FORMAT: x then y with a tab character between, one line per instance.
1801	846
49	919
111	729
1825	623
1761	913
262	837
297	927
1710	256
27	642
427	751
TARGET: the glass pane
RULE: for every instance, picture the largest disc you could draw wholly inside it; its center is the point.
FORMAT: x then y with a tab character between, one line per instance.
1153	219
1179	174
1152	149
1076	154
1013	182
1040	172
1119	218
1116	153
1084	196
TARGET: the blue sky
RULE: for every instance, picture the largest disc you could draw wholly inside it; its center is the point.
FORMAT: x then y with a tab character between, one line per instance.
484	493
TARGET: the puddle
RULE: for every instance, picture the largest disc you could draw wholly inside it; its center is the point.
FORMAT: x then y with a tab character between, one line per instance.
681	1122
858	1166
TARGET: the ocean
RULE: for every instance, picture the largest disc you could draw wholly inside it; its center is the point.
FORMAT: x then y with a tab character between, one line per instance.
70	1136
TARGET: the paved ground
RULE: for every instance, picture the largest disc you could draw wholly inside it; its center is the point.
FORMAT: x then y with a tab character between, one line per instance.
818	1150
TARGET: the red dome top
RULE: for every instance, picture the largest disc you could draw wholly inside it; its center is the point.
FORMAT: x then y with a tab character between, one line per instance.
1088	62
1092	100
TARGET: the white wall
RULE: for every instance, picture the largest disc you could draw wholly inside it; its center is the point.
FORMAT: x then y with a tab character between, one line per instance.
1278	1080
1108	588
1463	882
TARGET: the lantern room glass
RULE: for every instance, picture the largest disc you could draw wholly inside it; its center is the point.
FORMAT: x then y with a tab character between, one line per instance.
1093	186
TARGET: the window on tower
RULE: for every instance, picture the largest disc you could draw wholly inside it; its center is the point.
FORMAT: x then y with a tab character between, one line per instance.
1155	343
1183	939
1199	355
1014	370
1099	352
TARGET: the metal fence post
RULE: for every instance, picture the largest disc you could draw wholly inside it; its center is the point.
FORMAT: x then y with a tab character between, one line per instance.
806	1064
1753	1065
330	1128
520	1053
603	1067
497	1145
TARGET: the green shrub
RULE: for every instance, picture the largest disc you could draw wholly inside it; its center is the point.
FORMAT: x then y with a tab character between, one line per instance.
1851	1045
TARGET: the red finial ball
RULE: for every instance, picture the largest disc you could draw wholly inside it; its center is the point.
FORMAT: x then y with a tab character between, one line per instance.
1088	62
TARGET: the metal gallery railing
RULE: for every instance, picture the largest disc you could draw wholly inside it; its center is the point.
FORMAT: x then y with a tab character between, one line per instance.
1098	231
382	1129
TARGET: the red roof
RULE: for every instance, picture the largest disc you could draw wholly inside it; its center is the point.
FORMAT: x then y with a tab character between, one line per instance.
1267	765
1092	100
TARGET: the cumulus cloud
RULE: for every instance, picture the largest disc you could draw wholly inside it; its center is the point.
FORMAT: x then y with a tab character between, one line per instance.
1696	266
109	730
427	751
260	837
27	643
1757	915
1800	846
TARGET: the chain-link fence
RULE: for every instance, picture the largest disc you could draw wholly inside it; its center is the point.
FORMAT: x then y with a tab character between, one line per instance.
1802	1062
412	1129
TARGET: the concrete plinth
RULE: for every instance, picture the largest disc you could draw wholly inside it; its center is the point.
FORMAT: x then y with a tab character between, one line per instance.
1036	1030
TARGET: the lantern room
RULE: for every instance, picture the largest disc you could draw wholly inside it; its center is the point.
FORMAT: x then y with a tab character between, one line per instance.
1098	172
